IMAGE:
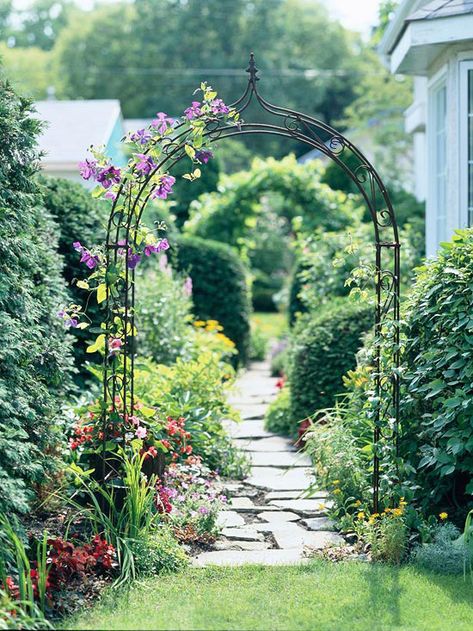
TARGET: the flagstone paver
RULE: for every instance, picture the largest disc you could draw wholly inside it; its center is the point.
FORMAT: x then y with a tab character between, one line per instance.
273	515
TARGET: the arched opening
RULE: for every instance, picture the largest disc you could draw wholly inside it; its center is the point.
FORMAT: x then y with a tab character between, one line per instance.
123	229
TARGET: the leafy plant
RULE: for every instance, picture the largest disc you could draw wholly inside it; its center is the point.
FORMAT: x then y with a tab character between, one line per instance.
324	347
278	418
444	554
437	394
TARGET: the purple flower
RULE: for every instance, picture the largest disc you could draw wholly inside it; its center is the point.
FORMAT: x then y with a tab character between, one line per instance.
141	136
133	260
161	122
203	510
72	322
188	286
109	176
218	107
165	187
163	245
193	111
203	155
149	249
89	259
145	163
111	195
77	246
61	314
88	169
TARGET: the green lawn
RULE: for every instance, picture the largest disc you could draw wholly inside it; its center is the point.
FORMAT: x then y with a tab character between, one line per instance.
272	325
320	597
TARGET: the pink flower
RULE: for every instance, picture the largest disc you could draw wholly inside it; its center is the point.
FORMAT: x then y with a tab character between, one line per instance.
141	432
115	344
193	111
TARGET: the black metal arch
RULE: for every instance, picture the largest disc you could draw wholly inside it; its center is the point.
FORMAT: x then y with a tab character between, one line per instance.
125	218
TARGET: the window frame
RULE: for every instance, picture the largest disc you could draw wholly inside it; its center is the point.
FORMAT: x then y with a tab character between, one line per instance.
465	67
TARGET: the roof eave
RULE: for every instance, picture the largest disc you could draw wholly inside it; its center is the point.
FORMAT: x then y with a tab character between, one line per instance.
424	40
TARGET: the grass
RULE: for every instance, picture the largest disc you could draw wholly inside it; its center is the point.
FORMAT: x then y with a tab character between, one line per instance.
272	325
319	596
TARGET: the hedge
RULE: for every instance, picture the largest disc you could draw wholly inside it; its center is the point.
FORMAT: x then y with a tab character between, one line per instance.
80	218
324	350
35	359
220	290
437	393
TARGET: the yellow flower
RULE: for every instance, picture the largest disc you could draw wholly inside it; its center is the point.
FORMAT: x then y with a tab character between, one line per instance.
443	516
397	512
358	503
337	491
336	482
361	515
199	323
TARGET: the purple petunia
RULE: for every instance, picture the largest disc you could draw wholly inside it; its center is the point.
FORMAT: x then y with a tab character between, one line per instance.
141	136
109	176
165	187
162	122
145	163
218	107
193	111
88	169
203	155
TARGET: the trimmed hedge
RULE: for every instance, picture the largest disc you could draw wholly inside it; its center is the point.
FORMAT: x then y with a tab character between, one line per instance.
80	218
220	290
324	350
35	358
437	392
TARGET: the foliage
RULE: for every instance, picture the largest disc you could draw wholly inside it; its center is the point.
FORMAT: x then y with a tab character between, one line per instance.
163	313
76	212
39	24
324	349
185	192
189	497
34	350
280	358
217	272
284	30
297	194
196	391
258	342
159	553
443	555
339	443
387	533
278	417
30	69
437	395
339	263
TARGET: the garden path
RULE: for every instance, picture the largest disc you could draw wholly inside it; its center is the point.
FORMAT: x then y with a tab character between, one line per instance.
269	520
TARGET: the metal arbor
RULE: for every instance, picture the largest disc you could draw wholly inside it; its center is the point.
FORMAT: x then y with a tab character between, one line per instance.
125	219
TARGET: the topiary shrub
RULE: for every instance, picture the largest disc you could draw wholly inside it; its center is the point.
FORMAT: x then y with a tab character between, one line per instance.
324	350
437	395
34	348
80	218
219	287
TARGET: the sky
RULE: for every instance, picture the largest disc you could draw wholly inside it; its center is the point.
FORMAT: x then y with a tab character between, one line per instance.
356	15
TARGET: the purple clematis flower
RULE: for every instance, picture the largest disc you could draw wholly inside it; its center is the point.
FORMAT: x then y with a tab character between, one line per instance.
109	176
88	169
218	107
162	122
203	155
141	136
133	260
77	246
145	163
89	259
72	322
163	245
193	111
165	187
111	195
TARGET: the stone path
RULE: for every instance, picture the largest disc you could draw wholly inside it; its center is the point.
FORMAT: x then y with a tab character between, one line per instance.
270	519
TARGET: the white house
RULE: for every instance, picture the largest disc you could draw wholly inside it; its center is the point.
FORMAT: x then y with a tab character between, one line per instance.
72	126
433	41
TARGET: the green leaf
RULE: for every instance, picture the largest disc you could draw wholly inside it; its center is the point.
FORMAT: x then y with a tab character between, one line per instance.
98	345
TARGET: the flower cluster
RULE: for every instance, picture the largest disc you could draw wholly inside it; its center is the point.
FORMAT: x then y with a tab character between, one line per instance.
82	434
190	497
177	441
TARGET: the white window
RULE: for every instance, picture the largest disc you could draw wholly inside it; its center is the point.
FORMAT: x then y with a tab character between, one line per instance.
466	143
439	158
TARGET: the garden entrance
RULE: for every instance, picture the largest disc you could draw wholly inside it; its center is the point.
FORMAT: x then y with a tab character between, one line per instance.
125	234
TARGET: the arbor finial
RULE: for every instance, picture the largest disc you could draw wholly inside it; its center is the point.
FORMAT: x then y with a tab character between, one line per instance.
252	70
